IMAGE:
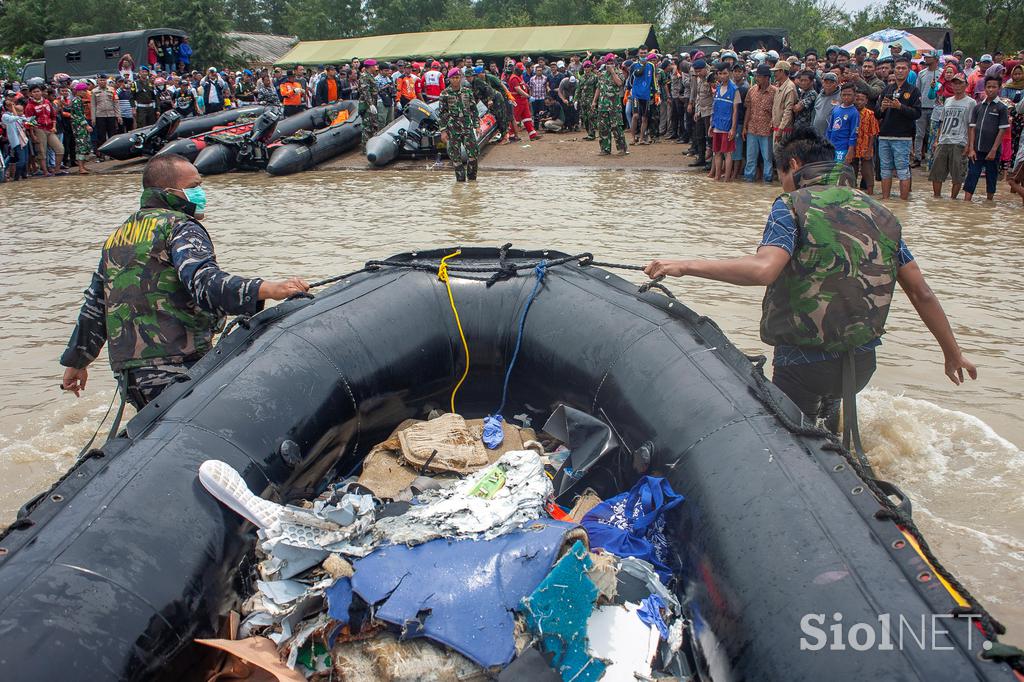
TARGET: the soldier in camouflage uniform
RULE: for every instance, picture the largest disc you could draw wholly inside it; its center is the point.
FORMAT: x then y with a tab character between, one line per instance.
158	296
585	97
830	257
495	100
368	94
608	105
459	120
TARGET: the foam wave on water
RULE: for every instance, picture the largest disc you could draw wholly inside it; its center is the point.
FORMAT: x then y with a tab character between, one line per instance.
920	436
43	445
964	482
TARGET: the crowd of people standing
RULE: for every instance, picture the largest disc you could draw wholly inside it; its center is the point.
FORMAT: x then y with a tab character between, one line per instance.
885	114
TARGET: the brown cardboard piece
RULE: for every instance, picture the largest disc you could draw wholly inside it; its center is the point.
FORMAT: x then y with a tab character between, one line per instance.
386	476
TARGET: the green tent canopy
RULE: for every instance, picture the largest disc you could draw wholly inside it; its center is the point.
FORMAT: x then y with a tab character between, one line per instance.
480	42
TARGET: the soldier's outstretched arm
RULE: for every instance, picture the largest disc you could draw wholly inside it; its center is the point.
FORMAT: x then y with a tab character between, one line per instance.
213	289
91	329
929	309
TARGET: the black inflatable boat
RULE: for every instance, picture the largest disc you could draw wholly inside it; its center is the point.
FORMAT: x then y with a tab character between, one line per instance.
252	149
415	135
149	140
113	572
306	149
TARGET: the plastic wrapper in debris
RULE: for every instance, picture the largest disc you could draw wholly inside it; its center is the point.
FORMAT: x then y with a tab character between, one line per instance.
444	444
618	636
461	593
384	657
633	523
455	512
557	613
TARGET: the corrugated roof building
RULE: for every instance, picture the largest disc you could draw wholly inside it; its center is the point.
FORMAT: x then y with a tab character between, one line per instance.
259	49
482	42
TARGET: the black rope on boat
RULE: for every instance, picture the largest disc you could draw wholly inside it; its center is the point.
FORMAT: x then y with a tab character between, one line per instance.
504	272
991	627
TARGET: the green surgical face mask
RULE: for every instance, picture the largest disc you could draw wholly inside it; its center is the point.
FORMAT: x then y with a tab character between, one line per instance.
197	195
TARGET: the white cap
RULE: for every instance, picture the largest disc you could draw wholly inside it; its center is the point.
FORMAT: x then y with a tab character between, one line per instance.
560	63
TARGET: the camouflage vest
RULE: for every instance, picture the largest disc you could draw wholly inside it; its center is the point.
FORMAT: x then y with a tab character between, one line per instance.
834	293
151	318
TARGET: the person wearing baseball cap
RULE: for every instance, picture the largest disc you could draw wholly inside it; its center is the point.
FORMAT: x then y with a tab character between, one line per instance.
928	84
785	98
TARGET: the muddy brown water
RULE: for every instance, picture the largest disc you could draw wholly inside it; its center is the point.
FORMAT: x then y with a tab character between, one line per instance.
955	450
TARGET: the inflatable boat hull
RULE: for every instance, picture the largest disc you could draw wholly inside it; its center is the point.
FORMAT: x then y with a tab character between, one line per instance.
113	572
329	143
409	135
121	147
217	158
401	137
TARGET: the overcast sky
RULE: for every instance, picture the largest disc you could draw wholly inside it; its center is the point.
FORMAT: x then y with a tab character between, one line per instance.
853	5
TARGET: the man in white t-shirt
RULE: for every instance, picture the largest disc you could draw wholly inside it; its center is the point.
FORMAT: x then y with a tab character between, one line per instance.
951	151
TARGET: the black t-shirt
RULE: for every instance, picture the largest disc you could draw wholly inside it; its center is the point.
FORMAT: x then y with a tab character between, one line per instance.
989	118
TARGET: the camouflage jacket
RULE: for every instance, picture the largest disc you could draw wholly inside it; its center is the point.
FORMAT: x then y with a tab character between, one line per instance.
368	91
158	294
835	291
457	111
585	89
482	90
608	93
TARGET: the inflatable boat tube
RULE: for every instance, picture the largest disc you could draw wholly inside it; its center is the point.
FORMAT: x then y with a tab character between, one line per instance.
123	147
411	135
112	573
415	135
321	145
191	147
218	158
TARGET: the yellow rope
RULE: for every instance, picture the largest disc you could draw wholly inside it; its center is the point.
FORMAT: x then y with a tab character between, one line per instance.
442	274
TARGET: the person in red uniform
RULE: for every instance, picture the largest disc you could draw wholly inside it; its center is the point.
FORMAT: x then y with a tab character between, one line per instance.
521	112
433	83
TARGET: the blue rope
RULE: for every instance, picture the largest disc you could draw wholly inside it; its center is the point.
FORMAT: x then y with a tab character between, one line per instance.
539	272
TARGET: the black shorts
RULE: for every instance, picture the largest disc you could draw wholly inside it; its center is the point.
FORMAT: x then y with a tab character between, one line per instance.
817	387
641	107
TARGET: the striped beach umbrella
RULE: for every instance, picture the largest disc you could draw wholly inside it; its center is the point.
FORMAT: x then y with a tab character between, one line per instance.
881	40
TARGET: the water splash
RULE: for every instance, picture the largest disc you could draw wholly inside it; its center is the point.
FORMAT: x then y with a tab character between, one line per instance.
964	481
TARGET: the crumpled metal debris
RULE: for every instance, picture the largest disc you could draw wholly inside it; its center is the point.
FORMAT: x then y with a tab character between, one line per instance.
464	509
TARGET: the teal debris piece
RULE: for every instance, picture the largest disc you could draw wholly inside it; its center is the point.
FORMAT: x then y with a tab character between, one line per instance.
557	613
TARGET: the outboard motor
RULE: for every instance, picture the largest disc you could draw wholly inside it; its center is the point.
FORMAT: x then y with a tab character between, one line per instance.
149	141
253	150
423	123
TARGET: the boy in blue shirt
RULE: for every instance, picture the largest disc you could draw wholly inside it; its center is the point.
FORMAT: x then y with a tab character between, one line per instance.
843	123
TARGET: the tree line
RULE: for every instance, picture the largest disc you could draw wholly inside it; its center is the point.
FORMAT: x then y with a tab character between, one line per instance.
978	25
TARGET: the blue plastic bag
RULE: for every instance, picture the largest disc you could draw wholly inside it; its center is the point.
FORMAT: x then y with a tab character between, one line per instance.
633	523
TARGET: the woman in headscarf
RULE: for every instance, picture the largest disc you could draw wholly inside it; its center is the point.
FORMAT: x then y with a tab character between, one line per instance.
80	126
969	67
1013	90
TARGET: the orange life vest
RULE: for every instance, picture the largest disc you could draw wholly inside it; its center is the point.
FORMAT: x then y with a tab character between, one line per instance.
291	96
